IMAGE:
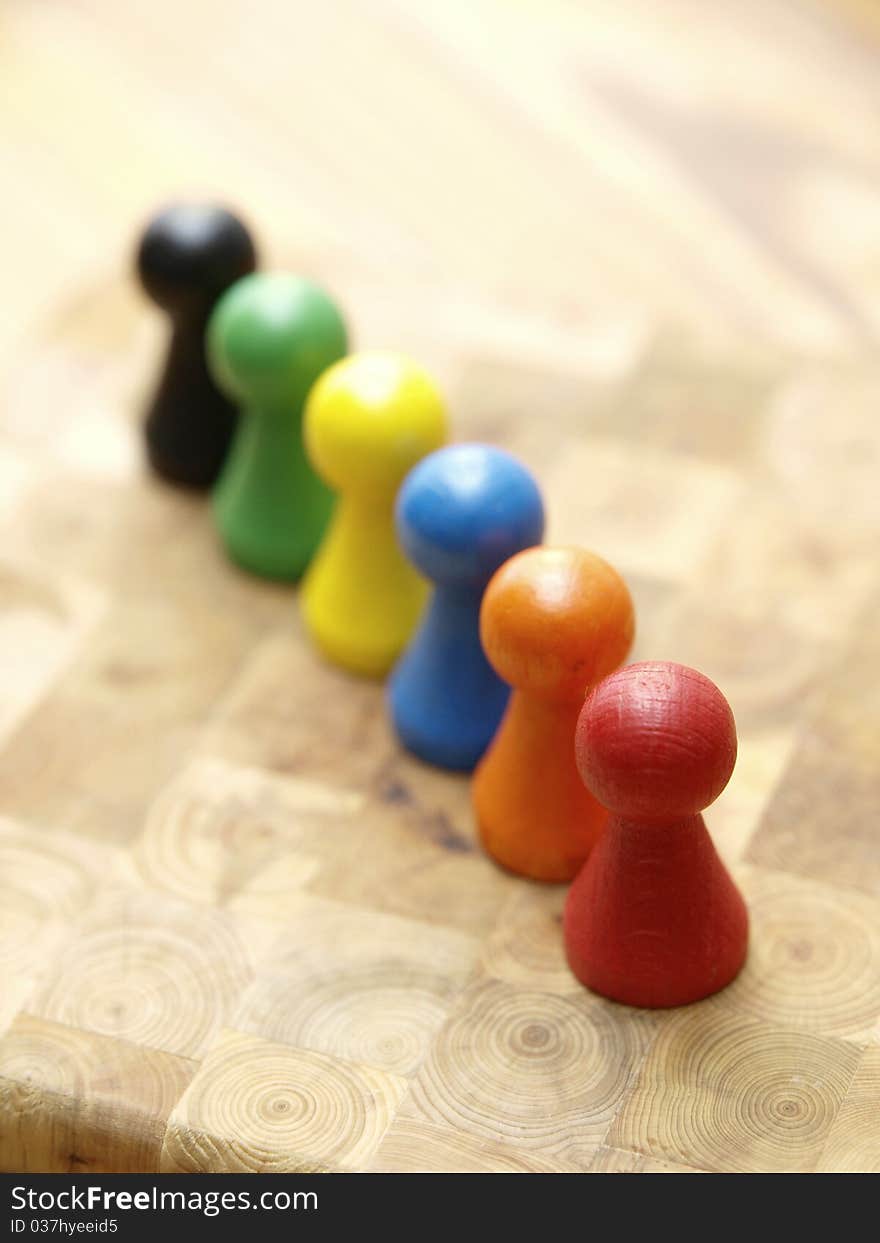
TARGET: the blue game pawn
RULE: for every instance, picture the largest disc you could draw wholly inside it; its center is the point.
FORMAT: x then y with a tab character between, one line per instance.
461	513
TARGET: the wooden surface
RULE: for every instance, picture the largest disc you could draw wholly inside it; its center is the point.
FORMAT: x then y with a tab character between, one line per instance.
638	244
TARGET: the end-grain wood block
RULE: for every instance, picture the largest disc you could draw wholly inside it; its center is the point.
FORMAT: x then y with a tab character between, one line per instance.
415	1146
543	1071
46	881
721	1093
767	668
853	1145
814	957
292	713
761	759
73	1101
145	968
256	1106
357	984
121	719
440	800
617	1161
178	556
814	577
414	859
822	821
525	946
241	838
17	990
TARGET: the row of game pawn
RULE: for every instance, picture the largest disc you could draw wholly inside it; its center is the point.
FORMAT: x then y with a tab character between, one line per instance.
652	917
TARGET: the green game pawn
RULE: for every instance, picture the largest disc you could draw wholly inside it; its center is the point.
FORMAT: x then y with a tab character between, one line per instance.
269	338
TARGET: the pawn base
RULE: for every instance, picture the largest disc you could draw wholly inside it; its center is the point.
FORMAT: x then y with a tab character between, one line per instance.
654	919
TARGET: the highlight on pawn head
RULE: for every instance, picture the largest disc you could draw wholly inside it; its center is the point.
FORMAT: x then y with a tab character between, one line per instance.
466	509
190	253
554	620
369	419
269	338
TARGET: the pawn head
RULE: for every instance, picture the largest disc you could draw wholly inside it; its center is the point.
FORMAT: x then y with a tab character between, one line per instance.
270	337
190	253
369	419
555	620
656	741
464	510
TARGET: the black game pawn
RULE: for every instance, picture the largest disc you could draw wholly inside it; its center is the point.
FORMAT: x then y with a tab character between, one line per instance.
188	256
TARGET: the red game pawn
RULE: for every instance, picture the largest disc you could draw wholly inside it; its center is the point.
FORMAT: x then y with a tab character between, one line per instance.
654	918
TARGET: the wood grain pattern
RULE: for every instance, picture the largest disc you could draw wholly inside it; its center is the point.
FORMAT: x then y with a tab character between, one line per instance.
76	1102
832	779
259	1106
813	960
415	1146
853	1145
239	929
723	1092
356	984
549	1072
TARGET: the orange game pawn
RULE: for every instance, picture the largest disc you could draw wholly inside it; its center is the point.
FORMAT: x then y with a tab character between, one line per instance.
553	622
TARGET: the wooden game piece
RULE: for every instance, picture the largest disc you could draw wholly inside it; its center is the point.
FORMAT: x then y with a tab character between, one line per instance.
269	339
654	919
188	256
367	422
553	622
461	513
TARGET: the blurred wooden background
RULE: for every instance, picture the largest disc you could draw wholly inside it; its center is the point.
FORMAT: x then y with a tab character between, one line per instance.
553	163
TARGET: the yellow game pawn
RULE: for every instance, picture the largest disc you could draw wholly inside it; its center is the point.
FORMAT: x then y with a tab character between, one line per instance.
368	420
